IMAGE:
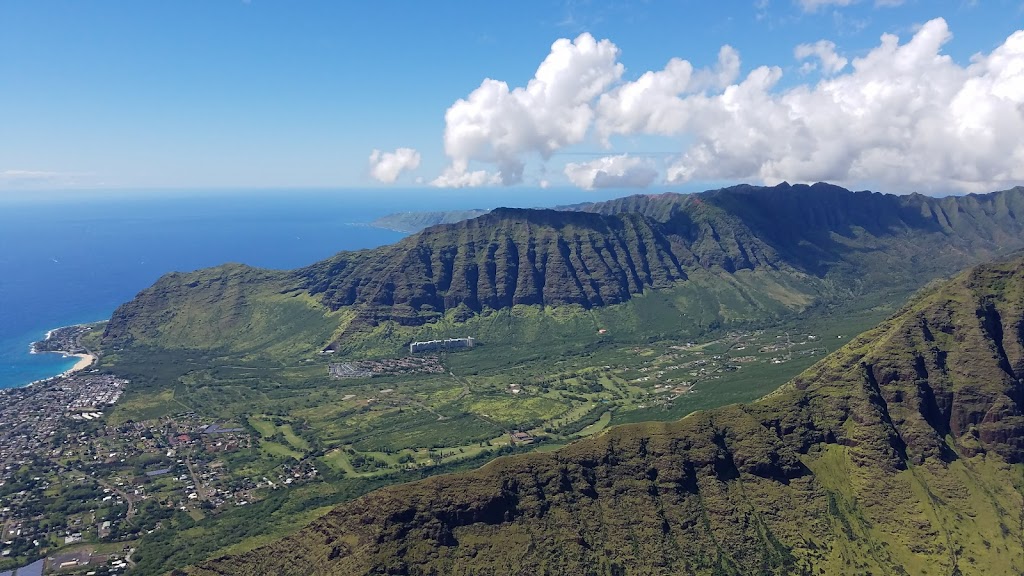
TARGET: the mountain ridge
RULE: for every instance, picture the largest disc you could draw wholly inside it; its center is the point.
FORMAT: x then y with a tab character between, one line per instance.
826	243
411	222
900	453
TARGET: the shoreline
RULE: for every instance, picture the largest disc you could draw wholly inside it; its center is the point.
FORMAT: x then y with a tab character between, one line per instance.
49	333
85	359
379	227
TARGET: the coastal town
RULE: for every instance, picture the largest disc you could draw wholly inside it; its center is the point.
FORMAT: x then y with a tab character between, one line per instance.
42	486
77	489
68	340
73	482
65	340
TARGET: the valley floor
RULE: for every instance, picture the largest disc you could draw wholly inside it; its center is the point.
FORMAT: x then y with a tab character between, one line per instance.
177	473
233	442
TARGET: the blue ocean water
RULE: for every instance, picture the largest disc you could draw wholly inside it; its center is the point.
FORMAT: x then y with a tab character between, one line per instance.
73	257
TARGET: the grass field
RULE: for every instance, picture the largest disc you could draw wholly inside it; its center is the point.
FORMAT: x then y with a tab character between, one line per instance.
280	450
375	431
577	386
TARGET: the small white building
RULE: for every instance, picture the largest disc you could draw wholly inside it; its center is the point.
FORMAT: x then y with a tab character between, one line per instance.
446	344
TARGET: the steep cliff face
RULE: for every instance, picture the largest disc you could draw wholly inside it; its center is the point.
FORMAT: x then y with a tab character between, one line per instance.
947	374
899	454
606	252
822	227
513	256
820	241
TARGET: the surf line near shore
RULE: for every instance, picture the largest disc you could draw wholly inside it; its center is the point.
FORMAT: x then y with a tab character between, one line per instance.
67	340
84	361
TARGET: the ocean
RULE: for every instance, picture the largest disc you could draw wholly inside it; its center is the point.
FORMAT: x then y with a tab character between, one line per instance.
73	257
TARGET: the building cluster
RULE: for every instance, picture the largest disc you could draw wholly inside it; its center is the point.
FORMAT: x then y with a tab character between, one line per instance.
64	340
348	370
67	476
31	416
387	367
89	560
520	437
446	344
298	472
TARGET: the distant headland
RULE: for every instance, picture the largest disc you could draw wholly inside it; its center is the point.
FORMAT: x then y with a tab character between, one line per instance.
68	340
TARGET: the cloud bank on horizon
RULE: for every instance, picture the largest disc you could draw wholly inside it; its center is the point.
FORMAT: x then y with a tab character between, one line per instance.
904	115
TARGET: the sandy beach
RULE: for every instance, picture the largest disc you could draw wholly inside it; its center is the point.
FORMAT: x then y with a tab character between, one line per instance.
84	361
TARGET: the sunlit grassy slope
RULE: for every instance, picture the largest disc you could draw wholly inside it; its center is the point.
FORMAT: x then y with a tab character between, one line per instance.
898	454
568	307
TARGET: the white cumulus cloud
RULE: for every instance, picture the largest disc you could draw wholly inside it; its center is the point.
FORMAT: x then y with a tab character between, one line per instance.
388	166
499	125
459	177
651	104
905	116
825	52
621	171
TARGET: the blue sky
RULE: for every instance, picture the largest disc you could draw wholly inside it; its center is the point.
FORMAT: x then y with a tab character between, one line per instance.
209	94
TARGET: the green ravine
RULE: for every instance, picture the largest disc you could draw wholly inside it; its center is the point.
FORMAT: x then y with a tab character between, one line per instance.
901	453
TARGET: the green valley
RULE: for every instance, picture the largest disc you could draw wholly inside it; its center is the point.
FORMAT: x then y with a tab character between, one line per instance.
898	454
647	308
512	288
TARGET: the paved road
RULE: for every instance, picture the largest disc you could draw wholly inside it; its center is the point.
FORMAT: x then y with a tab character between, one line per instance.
122	494
195	479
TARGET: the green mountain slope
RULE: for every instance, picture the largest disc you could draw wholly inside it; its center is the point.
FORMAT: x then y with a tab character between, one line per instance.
416	221
516	256
231	308
899	454
818	244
